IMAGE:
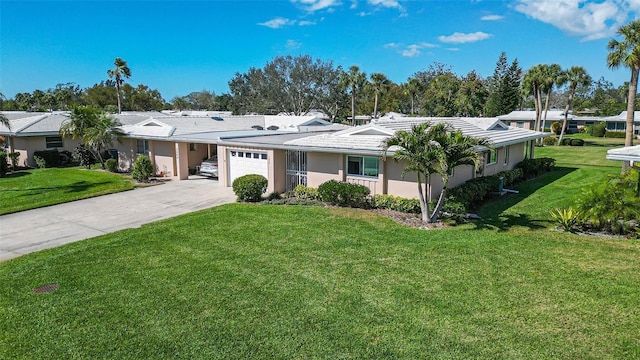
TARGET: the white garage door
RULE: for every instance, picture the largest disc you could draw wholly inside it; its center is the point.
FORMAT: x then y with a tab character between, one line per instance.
243	162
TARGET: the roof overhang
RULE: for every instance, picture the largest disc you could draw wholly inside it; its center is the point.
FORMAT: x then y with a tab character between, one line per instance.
629	153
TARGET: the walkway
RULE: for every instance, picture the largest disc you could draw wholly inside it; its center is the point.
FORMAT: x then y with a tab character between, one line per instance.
33	230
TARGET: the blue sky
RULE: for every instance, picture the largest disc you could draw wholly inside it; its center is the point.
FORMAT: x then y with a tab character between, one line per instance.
185	46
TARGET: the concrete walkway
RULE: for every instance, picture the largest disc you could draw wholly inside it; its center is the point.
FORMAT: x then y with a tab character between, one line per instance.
33	230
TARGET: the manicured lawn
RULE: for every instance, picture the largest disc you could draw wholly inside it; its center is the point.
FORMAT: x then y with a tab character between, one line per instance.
30	189
256	281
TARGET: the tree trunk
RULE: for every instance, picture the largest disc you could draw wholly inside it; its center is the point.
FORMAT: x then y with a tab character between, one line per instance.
566	114
439	204
375	107
118	94
546	109
353	106
424	207
633	87
412	108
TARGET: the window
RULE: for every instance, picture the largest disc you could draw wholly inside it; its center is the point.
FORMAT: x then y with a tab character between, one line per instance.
192	147
491	157
240	154
233	153
263	156
53	141
506	155
256	156
143	146
363	166
520	124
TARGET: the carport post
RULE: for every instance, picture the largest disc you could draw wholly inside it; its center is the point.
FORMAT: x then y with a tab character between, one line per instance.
182	160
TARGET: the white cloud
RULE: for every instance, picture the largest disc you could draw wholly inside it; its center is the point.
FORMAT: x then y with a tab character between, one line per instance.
412	50
385	3
306	23
277	23
315	5
590	20
293	45
453	49
461	38
492	17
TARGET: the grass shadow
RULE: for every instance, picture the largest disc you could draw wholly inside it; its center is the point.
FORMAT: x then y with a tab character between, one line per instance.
17	174
78	186
492	212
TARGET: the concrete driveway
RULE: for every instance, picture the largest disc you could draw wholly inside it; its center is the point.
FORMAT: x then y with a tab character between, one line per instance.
32	230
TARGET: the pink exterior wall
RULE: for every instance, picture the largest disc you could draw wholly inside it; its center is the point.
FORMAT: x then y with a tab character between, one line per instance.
322	167
164	157
197	155
26	146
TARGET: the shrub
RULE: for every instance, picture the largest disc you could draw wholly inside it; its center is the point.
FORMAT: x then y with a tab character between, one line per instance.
14	156
556	127
250	187
566	141
344	194
597	130
576	142
567	218
40	162
83	156
142	169
274	196
51	157
395	203
4	167
470	194
615	134
510	177
306	192
536	167
112	165
550	140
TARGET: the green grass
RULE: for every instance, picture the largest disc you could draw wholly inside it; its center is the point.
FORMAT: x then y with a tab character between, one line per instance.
258	281
30	189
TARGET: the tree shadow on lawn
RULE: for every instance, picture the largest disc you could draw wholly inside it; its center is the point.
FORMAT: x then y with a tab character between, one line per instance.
17	174
492	212
78	186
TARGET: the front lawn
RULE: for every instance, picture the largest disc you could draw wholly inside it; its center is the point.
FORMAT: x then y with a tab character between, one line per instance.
30	189
263	281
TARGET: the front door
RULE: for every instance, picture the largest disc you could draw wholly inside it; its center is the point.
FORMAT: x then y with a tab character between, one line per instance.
296	169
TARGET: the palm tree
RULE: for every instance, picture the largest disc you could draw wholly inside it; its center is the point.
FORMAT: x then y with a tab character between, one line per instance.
421	154
101	135
627	53
119	72
551	73
354	80
378	82
411	88
532	84
4	121
576	75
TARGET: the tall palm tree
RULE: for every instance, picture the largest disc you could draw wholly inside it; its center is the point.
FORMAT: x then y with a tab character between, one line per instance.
378	82
551	73
532	84
411	88
4	121
421	154
119	73
354	80
626	52
574	76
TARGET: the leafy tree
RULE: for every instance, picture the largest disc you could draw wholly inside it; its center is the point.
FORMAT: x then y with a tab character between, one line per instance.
201	100
626	52
101	135
101	95
412	88
471	96
574	76
179	103
439	98
119	73
288	84
354	80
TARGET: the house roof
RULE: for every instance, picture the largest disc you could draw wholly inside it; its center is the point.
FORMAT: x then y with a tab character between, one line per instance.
629	153
622	117
369	139
48	123
530	115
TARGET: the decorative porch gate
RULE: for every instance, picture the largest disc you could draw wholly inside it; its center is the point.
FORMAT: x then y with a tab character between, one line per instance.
296	169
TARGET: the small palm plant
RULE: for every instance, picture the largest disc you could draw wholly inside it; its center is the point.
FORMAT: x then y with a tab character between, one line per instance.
567	218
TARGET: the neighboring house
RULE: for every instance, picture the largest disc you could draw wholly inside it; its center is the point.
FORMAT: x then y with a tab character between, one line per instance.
526	119
619	122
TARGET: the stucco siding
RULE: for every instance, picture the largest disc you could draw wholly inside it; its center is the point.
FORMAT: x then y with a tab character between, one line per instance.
322	167
27	145
163	159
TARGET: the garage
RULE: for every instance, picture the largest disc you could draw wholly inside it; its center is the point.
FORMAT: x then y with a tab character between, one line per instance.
244	162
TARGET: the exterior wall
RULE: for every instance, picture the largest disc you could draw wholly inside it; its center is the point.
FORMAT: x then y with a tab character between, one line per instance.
163	157
276	165
126	153
27	145
322	167
197	155
277	170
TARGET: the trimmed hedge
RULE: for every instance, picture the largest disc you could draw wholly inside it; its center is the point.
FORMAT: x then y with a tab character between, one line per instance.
344	194
615	134
536	167
249	188
112	165
142	169
396	203
576	142
306	192
4	166
550	140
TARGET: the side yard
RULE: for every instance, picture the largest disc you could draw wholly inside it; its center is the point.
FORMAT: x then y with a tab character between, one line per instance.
30	189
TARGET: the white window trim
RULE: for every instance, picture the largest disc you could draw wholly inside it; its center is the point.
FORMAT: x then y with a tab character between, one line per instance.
362	175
